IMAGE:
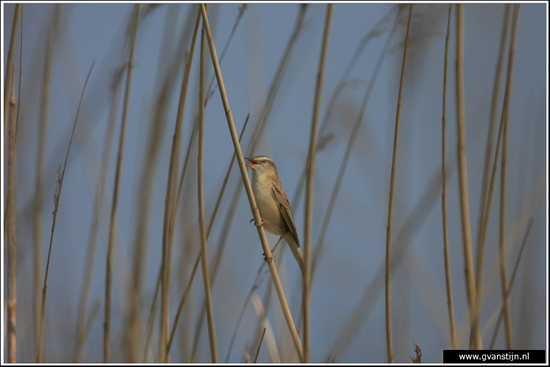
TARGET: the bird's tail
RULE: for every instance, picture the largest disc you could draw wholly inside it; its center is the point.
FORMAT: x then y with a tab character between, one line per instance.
297	252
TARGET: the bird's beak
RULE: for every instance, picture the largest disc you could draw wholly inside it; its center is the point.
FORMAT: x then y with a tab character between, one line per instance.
252	162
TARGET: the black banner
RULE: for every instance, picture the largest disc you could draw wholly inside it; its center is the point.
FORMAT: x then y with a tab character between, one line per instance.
494	356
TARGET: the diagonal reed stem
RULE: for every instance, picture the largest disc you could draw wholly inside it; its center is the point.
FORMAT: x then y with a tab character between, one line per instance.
248	188
57	195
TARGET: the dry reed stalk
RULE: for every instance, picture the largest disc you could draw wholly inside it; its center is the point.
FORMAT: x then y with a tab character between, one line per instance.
248	187
204	254
353	134
9	64
259	127
444	192
151	319
351	141
475	337
216	261
489	197
57	195
389	345
146	184
309	184
10	213
485	206
169	203
218	255
192	137
501	313
525	214
9	219
271	345
114	208
344	338
193	134
20	76
210	89
226	178
260	345
502	222
182	302
334	97
40	157
424	205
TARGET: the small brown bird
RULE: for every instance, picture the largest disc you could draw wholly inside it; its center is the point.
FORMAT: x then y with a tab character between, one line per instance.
273	204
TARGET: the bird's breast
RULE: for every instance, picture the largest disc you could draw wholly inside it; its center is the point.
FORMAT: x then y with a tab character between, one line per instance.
268	207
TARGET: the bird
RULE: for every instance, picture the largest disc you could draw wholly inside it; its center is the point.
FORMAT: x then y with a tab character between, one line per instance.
272	202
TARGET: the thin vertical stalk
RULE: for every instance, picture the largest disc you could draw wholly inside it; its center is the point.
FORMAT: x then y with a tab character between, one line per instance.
10	212
502	223
218	256
488	175
149	171
20	75
248	188
309	184
170	192
195	266
487	209
37	280
444	192
9	64
9	220
40	156
351	141
484	208
475	337
57	196
338	90
204	255
390	201
114	208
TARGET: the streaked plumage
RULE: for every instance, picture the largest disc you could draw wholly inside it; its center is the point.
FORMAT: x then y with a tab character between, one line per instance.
273	204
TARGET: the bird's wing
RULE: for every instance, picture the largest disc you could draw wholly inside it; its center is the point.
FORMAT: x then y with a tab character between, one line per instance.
284	207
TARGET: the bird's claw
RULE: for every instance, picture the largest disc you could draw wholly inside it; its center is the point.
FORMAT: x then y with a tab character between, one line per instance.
268	259
256	224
